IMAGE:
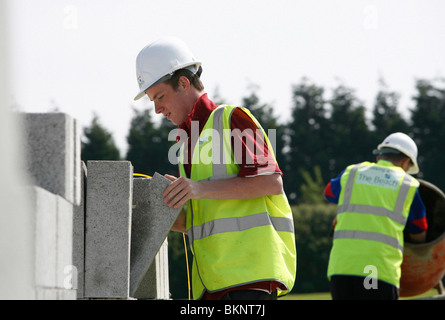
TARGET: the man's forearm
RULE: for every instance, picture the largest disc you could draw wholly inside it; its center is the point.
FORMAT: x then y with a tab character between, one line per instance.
179	225
242	188
182	189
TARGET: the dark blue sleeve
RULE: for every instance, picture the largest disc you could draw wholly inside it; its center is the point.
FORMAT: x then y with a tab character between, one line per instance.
417	216
333	188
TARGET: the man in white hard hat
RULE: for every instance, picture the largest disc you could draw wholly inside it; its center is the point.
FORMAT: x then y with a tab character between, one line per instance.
235	211
377	203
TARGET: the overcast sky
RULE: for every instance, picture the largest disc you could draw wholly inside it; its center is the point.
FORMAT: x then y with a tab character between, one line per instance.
79	55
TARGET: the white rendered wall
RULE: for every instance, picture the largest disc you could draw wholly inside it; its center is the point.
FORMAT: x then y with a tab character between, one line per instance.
16	219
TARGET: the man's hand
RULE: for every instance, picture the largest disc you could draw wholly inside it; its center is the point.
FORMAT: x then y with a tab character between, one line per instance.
180	191
418	238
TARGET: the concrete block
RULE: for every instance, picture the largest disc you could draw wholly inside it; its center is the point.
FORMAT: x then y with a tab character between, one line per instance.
66	295
64	245
77	183
162	273
79	235
151	223
53	237
155	284
108	229
53	153
53	243
46	293
54	294
45	204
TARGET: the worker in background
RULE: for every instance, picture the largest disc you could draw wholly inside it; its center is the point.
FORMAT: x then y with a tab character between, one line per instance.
376	202
235	211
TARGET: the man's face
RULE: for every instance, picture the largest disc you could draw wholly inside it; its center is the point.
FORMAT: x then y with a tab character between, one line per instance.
171	103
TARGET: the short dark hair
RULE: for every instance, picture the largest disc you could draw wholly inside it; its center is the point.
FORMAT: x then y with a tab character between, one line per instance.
192	77
396	157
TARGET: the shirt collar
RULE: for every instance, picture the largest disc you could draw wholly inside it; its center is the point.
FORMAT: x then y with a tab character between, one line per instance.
385	163
201	111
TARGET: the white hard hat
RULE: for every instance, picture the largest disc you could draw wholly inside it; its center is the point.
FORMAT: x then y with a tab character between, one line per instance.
403	143
160	59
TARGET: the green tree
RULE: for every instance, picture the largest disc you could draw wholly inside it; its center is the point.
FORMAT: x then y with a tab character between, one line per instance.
428	130
217	98
307	135
386	118
312	235
177	261
263	112
312	189
350	140
98	143
148	145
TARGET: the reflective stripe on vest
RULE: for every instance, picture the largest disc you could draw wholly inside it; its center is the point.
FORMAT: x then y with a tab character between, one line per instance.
218	163
239	224
365	235
395	215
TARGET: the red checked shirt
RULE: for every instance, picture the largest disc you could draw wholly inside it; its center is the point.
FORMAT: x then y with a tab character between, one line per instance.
252	162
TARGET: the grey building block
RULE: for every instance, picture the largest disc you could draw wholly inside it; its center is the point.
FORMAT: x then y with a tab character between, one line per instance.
79	235
54	294
45	204
66	294
155	284
151	222
162	274
53	238
65	276
77	132
108	229
43	293
53	153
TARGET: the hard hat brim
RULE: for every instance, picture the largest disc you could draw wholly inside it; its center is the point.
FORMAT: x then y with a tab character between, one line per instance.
193	67
140	94
414	168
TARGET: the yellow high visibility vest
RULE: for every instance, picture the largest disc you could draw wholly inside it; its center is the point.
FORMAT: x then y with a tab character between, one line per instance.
373	208
235	242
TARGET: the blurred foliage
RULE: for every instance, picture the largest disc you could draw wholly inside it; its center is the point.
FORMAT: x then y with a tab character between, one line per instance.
177	262
428	129
148	144
312	236
313	188
98	143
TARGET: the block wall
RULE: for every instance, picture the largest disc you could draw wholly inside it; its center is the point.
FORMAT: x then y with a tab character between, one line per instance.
52	161
98	233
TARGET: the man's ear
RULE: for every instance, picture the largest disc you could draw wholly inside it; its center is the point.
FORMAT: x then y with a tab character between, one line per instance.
184	83
406	164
